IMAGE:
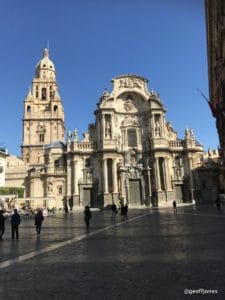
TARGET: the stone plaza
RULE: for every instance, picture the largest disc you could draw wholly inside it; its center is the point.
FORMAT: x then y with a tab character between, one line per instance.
155	254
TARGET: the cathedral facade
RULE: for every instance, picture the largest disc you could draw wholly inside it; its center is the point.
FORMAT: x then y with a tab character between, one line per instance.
130	154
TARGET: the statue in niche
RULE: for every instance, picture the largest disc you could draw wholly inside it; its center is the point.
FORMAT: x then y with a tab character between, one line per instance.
50	187
178	173
157	128
128	105
108	129
88	177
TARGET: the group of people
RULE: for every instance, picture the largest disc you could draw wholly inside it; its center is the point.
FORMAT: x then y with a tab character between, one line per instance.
15	222
123	210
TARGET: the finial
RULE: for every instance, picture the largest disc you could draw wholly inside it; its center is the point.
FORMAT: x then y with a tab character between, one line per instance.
45	52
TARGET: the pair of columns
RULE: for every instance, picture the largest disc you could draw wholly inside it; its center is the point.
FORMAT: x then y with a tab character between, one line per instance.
165	170
114	176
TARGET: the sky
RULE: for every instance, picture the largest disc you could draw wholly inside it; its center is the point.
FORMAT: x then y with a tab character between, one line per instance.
91	42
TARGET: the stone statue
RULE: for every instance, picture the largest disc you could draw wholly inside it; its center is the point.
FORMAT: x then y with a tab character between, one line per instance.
157	128
178	173
88	177
49	187
75	135
108	129
69	136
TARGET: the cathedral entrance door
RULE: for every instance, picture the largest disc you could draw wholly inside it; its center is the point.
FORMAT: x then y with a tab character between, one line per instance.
179	192
87	196
135	192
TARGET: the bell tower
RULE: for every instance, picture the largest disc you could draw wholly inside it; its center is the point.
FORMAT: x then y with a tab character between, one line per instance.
43	118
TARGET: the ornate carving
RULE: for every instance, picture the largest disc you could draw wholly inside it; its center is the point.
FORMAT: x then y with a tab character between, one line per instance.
130	121
128	105
130	83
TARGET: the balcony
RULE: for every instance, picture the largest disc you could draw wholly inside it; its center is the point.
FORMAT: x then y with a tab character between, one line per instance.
83	146
176	144
59	170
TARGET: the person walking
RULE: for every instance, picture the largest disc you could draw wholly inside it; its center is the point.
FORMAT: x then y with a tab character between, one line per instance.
39	218
87	216
15	222
218	203
124	211
174	206
2	224
114	211
66	209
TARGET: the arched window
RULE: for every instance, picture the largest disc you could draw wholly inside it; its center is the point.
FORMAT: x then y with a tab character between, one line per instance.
28	108
36	91
132	137
55	108
87	163
41	138
43	94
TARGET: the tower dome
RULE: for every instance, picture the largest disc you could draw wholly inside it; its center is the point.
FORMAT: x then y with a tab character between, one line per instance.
45	67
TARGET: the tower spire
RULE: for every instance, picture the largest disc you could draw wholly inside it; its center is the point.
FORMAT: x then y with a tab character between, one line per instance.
48	46
45	52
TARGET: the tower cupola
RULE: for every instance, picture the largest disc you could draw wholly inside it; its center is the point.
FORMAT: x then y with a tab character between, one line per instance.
45	67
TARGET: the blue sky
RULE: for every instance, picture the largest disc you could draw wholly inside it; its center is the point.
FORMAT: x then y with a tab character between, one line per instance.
93	41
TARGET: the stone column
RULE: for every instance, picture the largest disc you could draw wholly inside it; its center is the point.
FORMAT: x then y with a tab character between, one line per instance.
32	188
165	174
105	176
162	123
122	184
152	125
75	182
139	138
149	186
68	181
127	190
149	182
169	187
157	174
190	167
114	171
103	127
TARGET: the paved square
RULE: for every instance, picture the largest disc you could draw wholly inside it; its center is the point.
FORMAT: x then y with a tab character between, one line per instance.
156	254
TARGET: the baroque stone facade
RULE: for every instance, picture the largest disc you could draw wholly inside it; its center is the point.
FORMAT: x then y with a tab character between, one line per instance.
130	154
